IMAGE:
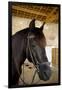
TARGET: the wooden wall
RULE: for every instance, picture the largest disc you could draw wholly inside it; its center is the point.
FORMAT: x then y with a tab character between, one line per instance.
55	56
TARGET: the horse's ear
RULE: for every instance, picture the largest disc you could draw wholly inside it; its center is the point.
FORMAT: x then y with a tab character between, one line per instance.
41	28
32	24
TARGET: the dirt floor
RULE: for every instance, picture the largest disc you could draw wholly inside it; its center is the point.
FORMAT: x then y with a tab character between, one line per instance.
28	73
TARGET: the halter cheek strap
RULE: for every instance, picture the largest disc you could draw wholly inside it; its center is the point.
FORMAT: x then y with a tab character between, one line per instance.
30	49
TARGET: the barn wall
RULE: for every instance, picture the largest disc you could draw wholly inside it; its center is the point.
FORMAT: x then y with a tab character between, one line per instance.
21	23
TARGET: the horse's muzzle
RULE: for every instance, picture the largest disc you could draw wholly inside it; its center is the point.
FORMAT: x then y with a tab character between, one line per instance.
44	71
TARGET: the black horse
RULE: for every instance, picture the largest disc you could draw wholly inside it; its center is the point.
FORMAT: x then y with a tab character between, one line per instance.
29	43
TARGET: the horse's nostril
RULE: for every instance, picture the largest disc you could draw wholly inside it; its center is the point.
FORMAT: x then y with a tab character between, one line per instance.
45	74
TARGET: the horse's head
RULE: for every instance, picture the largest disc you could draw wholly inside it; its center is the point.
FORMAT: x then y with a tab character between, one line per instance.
36	48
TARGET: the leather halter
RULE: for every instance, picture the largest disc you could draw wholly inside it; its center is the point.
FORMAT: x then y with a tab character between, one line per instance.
28	48
31	52
37	65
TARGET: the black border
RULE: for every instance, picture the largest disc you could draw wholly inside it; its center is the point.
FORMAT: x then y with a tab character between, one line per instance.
10	48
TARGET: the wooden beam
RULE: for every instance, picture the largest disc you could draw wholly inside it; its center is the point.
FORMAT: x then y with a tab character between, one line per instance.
51	16
28	10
